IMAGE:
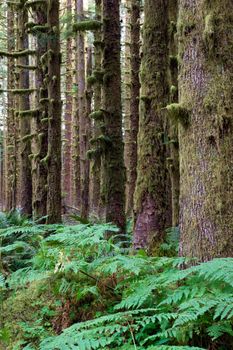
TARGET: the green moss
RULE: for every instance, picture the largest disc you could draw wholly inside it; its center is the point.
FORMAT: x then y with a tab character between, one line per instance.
22	91
97	115
91	80
28	113
209	32
178	114
87	25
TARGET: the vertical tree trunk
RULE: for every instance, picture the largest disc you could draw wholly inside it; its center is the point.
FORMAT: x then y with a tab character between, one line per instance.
127	94
95	161
54	131
84	163
134	102
150	195
206	158
113	162
24	122
11	170
40	121
67	154
173	163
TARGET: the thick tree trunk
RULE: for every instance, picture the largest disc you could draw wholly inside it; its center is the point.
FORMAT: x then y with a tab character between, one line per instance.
24	122
67	153
206	157
150	195
113	162
54	131
134	103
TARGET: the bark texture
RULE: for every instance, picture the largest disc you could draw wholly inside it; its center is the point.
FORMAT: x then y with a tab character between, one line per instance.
24	122
40	121
206	158
150	195
54	130
113	161
134	103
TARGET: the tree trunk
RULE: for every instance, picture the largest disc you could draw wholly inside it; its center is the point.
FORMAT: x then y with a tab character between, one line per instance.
54	131
24	122
127	94
84	163
11	169
67	154
40	122
173	163
113	161
150	195
95	160
134	103
206	158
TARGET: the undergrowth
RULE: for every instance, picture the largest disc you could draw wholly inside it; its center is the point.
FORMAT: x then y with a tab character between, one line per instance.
67	287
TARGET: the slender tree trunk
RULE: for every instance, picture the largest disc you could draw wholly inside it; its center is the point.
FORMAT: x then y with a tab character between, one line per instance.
127	94
11	170
67	153
206	158
75	145
40	121
134	102
173	163
150	195
95	161
84	163
24	122
113	161
54	131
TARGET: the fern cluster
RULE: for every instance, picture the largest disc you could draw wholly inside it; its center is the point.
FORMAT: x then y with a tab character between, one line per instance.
116	300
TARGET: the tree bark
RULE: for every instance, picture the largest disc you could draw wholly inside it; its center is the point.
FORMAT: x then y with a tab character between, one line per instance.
150	194
206	158
67	153
113	161
54	130
24	122
134	103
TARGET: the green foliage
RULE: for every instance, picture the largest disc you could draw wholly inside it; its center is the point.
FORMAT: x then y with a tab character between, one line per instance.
111	298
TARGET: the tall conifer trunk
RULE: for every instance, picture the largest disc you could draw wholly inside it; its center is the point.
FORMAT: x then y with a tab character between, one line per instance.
40	121
84	163
24	122
67	153
11	167
206	157
150	196
134	102
54	130
113	162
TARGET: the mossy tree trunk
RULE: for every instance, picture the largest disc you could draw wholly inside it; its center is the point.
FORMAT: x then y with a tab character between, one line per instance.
127	93
83	125
206	157
11	166
173	161
150	194
67	154
113	161
134	102
24	122
54	130
75	132
95	161
40	121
